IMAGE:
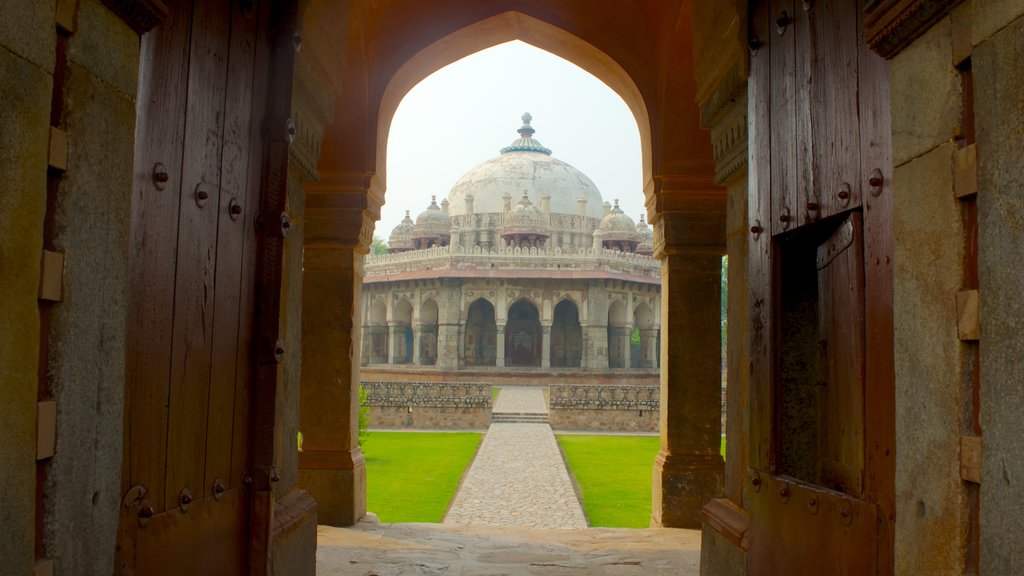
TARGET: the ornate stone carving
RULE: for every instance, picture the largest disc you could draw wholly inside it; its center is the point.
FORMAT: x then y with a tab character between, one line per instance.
893	24
141	15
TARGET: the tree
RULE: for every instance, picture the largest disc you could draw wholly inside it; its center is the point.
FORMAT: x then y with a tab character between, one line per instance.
378	246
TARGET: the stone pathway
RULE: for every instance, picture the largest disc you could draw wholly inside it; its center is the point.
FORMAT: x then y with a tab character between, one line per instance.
370	548
518	477
521	399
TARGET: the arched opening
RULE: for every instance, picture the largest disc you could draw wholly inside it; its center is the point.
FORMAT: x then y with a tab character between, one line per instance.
377	334
523	335
618	338
566	336
401	333
428	333
655	79
644	339
480	347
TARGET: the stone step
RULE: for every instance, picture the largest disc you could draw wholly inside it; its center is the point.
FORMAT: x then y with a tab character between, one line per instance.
520	417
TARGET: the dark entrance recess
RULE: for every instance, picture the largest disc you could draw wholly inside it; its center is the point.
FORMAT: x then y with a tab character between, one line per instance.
566	336
522	335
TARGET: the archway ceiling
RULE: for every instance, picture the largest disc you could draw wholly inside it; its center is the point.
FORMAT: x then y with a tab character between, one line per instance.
361	45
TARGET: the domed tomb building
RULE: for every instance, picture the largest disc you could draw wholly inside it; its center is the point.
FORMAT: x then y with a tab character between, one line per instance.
523	268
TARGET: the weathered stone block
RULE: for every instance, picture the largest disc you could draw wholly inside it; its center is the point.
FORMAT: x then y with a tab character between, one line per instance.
25	92
925	94
87	346
999	112
989	16
106	46
930	361
27	29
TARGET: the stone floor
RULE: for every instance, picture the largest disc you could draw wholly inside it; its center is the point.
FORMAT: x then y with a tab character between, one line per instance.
521	399
370	548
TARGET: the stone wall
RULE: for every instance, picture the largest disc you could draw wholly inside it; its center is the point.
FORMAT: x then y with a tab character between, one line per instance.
605	408
429	405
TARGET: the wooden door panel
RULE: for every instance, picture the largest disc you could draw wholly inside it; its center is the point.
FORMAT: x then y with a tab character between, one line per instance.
192	274
154	231
759	215
235	194
196	263
782	117
841	333
833	109
813	531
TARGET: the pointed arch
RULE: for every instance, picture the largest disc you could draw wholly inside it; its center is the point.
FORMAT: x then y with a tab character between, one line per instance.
480	344
566	335
523	334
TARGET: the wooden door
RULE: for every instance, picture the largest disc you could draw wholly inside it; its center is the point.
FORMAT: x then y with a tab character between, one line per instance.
821	290
198	159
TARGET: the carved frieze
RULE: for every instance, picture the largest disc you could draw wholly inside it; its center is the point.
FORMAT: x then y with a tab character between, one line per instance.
141	15
891	25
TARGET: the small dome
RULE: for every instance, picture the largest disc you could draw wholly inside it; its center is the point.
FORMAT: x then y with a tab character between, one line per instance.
617	231
432	227
525	225
617	226
401	236
525	217
646	245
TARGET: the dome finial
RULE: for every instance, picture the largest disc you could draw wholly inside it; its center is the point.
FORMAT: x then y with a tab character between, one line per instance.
526	130
525	142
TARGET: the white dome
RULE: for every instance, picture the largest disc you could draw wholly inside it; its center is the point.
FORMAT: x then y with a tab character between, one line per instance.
528	167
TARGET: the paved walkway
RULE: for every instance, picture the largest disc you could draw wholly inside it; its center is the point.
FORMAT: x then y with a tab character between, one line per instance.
371	548
521	399
518	477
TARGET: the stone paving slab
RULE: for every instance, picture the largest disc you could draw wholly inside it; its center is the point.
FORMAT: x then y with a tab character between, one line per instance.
371	548
521	400
518	478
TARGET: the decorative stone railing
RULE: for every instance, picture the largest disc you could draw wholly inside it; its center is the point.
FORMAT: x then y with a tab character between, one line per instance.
428	394
584	397
457	257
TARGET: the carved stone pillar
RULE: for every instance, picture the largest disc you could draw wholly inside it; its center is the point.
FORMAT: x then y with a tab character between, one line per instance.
690	241
396	338
449	347
337	235
417	344
627	347
545	347
499	359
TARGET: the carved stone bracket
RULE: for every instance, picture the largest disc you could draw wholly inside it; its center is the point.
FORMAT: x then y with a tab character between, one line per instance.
312	110
141	15
729	141
893	24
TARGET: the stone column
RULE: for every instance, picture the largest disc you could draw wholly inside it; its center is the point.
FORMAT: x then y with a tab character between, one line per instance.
331	465
449	346
688	469
545	347
417	343
627	347
396	337
499	359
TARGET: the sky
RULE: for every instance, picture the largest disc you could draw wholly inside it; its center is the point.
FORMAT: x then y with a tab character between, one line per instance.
464	113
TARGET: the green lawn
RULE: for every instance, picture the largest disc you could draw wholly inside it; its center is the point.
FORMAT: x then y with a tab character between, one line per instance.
614	476
412	476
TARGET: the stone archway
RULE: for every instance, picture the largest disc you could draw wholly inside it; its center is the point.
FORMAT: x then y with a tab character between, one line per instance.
426	333
480	348
655	79
566	336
